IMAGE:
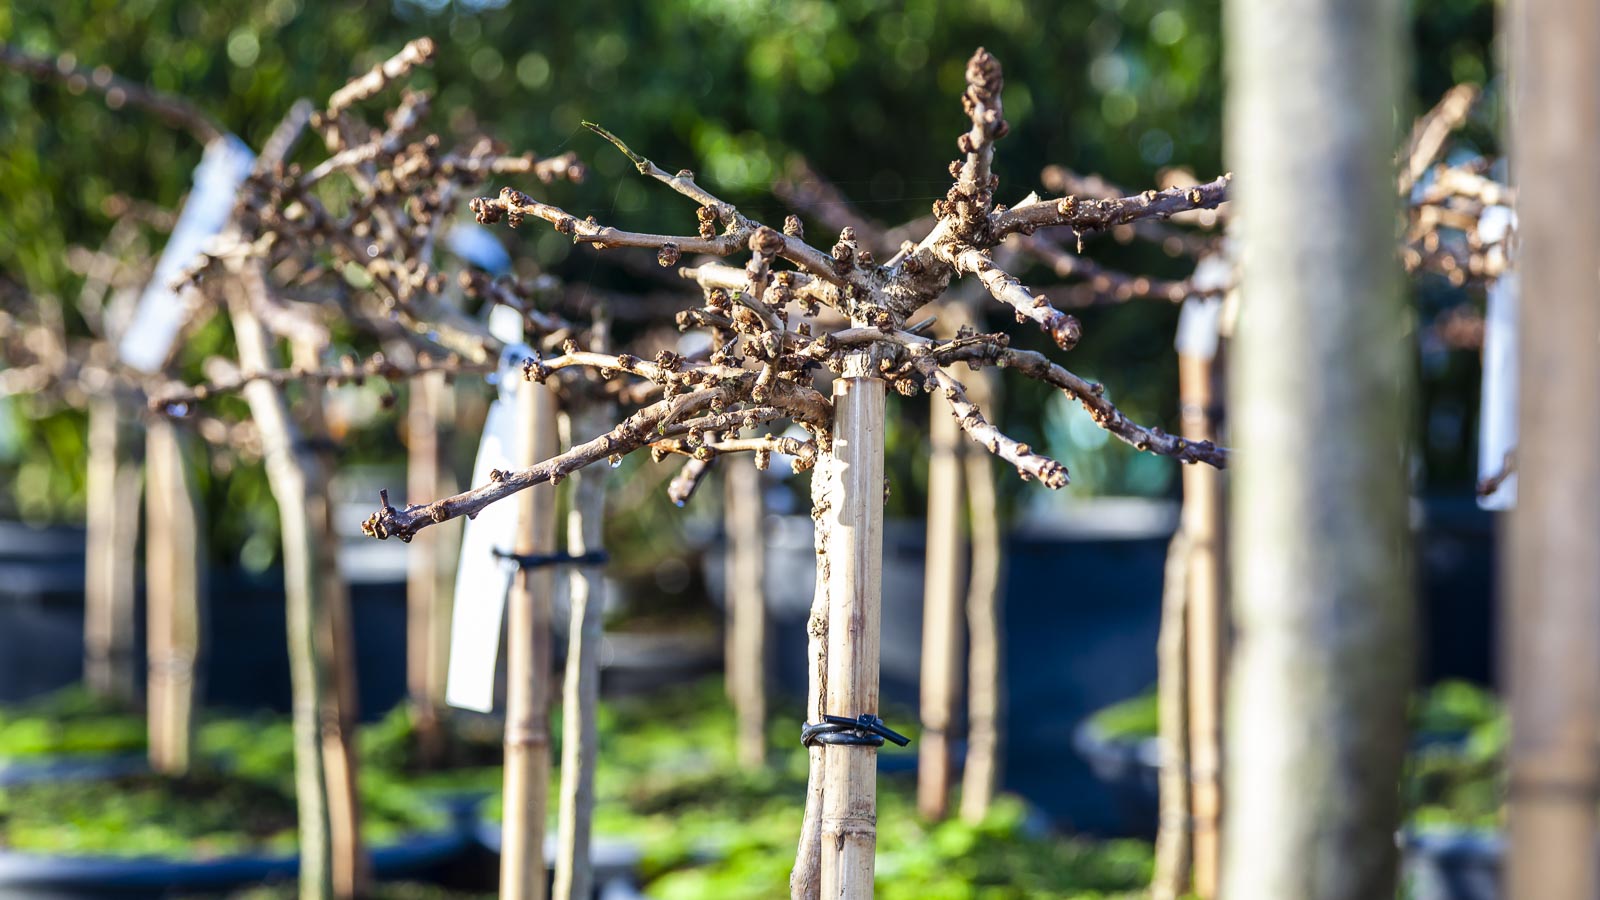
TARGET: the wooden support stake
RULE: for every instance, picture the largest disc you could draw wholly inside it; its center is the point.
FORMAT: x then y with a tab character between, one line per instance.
855	551
743	512
1319	410
981	776
425	590
1173	846
580	736
1551	596
174	551
1207	620
942	636
290	472
114	484
527	741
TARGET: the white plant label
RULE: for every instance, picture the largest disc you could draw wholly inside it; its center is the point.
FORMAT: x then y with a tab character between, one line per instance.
161	312
1199	322
1497	408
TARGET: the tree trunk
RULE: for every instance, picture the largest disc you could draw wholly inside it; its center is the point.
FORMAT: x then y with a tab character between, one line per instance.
855	552
335	645
527	741
1173	847
805	880
1319	407
942	637
580	737
981	776
114	484
1207	626
174	551
743	512
1552	597
425	590
291	470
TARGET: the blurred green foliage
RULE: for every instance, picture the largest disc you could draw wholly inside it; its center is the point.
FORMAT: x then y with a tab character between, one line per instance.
867	90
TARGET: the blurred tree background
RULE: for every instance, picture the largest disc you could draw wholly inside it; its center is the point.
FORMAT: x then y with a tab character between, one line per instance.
865	90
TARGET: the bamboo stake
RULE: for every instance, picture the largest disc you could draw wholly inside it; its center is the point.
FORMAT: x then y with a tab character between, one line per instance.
580	741
1173	848
174	550
1320	390
805	880
288	462
1207	619
942	636
527	741
981	775
335	645
849	798
114	485
423	586
1551	600
743	512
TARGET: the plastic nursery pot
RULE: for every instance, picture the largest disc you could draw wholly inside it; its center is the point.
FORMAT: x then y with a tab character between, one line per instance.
1129	767
26	770
615	860
1451	863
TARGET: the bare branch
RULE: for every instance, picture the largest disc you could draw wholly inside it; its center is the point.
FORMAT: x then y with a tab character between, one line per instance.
176	111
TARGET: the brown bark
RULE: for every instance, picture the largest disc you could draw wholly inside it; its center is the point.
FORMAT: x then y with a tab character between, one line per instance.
805	881
1552	581
1320	366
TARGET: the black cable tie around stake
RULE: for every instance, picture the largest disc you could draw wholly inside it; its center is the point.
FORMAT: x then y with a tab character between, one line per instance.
865	730
541	560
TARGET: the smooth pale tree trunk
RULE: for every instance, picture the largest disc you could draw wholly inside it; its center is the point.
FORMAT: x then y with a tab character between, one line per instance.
1319	403
981	775
528	650
805	880
1174	850
942	635
291	471
113	487
743	512
1552	597
1206	638
580	734
174	590
855	584
427	650
336	645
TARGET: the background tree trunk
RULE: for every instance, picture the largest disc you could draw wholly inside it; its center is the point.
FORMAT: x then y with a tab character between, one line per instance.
1552	596
580	737
1174	850
527	742
114	484
1319	404
855	556
981	775
743	512
288	462
942	635
174	555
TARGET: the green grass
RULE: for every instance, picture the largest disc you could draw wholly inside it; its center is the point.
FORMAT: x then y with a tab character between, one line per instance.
68	721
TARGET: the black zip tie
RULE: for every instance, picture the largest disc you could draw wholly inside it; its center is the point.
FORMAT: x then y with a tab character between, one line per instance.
541	560
865	730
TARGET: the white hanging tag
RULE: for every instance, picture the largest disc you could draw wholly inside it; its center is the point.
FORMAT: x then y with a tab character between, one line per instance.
161	312
1497	408
1199	321
483	578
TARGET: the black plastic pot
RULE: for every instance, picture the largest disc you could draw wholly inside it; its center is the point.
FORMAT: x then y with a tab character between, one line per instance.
1129	768
27	770
1452	864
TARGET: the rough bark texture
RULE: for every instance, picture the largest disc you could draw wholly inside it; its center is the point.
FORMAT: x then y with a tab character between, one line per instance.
580	743
1173	846
114	483
942	636
1319	402
855	551
805	881
1553	577
527	742
288	461
1207	622
743	511
174	547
